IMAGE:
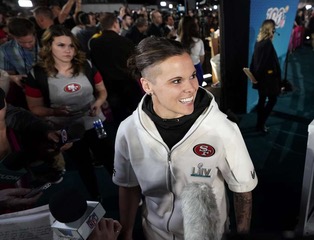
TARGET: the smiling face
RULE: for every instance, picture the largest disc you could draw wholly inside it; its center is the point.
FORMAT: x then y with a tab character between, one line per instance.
173	86
62	49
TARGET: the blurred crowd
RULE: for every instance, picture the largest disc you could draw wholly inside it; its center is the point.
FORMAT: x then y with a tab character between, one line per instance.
99	45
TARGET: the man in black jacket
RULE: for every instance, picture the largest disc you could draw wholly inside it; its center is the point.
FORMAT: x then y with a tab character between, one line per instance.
109	53
155	28
137	31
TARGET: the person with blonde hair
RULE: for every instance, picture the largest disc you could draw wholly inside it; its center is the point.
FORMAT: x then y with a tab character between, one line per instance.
266	69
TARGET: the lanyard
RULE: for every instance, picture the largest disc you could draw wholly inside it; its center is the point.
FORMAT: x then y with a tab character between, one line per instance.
28	66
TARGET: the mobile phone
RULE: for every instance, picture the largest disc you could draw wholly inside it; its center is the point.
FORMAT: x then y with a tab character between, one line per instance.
37	190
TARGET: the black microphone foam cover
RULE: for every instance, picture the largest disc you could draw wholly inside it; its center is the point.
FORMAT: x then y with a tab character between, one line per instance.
67	205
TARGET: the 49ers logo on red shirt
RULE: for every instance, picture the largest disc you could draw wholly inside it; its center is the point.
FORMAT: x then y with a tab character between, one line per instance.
72	87
204	150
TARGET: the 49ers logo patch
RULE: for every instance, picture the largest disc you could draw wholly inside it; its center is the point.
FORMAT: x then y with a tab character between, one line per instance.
204	150
72	87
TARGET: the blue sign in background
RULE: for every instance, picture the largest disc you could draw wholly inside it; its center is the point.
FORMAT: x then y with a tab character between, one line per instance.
283	13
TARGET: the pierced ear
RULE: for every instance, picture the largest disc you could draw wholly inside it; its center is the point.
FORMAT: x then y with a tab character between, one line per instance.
146	85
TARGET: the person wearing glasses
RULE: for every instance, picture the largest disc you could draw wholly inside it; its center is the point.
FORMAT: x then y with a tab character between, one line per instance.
266	69
18	55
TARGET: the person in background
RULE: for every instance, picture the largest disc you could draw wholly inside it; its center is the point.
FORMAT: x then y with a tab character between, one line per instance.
188	35
311	29
78	24
109	53
266	69
177	136
3	28
44	18
122	12
143	12
62	15
17	57
137	31
168	26
65	89
299	18
155	28
126	24
191	13
86	33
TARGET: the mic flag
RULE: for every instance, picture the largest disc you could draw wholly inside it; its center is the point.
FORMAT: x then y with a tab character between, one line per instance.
200	212
75	218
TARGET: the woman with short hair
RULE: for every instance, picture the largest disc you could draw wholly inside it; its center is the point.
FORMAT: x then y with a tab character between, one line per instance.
177	137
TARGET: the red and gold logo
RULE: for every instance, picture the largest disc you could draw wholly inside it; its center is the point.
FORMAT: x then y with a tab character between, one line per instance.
204	150
72	87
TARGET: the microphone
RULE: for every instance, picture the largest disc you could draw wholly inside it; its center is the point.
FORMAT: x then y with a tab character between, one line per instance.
71	134
200	212
2	97
75	217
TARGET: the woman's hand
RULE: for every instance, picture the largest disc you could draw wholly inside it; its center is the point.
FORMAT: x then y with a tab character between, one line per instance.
14	198
17	79
95	108
54	137
106	229
60	111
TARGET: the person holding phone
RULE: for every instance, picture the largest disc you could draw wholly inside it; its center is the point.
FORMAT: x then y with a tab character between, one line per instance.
29	142
14	198
11	198
65	89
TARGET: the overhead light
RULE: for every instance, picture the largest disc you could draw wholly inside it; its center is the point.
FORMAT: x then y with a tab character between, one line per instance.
170	6
215	7
163	3
25	3
307	7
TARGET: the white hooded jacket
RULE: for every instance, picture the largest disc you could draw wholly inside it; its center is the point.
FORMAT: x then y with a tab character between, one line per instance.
212	151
